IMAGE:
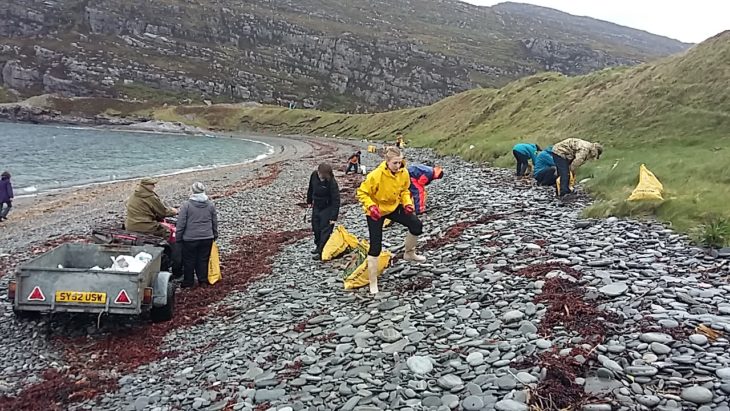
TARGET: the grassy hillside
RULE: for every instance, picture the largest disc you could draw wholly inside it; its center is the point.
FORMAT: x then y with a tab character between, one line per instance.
6	96
673	115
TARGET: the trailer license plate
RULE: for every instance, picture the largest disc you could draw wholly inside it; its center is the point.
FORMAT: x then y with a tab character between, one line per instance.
80	297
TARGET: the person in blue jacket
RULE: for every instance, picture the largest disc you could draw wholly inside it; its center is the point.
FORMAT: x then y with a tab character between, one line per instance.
523	153
421	175
545	172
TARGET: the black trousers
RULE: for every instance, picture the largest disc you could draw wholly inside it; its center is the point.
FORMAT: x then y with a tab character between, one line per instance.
321	227
351	167
399	216
196	255
522	163
563	167
547	177
5	208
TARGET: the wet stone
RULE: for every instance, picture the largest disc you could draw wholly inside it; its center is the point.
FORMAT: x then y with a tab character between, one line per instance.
472	403
697	395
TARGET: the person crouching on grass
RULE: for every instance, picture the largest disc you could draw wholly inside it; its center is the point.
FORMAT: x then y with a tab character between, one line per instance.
385	193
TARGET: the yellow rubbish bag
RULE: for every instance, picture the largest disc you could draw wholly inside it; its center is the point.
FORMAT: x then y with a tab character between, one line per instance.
214	266
359	276
339	242
372	149
649	187
571	184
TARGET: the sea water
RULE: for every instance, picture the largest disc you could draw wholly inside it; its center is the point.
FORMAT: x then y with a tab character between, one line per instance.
45	157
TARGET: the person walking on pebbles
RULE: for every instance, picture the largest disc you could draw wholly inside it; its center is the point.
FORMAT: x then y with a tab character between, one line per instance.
569	155
524	153
323	195
6	195
385	193
197	228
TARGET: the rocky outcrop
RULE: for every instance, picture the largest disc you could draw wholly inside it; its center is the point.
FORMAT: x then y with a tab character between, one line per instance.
16	76
305	57
572	58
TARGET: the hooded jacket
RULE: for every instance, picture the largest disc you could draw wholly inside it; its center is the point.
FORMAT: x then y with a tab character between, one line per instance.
198	220
421	175
577	151
324	195
385	189
145	210
544	161
6	190
529	150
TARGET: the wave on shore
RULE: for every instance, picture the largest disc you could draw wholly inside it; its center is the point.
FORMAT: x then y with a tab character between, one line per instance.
33	191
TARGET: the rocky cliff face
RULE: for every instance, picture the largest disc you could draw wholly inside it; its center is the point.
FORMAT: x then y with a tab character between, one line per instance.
370	56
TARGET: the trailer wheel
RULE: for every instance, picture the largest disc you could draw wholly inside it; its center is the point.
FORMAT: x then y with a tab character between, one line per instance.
26	315
165	313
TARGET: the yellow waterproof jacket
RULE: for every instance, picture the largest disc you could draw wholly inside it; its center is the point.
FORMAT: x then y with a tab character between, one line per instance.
576	151
145	210
385	189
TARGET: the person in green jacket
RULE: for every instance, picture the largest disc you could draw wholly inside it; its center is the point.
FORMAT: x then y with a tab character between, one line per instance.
145	210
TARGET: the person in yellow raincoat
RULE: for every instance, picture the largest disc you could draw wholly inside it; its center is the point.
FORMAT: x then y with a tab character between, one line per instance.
385	193
399	141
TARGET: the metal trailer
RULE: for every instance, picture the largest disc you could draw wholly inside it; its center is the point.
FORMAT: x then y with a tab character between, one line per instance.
61	280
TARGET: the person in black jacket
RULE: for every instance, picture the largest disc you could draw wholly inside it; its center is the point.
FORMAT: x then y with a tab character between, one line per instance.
323	196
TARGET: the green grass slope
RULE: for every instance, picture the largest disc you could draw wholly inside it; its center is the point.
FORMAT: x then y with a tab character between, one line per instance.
673	115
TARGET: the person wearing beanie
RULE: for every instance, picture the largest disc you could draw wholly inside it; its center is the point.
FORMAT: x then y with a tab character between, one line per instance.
569	155
145	210
197	228
524	153
6	195
422	175
385	194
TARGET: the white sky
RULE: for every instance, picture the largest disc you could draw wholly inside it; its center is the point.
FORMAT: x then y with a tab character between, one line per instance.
688	21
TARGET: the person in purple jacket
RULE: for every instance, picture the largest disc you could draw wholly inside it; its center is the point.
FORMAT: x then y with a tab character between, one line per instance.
422	175
6	195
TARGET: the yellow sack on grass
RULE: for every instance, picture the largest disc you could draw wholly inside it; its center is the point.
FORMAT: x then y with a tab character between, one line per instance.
339	242
649	187
372	149
214	266
571	184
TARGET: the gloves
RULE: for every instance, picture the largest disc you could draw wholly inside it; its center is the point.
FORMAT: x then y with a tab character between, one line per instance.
409	209
374	212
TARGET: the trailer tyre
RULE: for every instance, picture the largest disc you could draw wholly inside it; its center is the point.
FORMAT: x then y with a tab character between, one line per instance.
26	315
165	313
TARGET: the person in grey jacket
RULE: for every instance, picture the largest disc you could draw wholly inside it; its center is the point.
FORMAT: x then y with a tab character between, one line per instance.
197	228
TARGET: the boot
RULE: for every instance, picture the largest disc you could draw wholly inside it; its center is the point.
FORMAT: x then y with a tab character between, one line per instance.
410	250
373	274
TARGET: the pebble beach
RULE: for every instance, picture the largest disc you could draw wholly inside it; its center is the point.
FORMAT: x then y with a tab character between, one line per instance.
522	303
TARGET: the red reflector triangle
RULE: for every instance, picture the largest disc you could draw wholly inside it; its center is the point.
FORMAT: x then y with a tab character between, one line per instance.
123	298
36	295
